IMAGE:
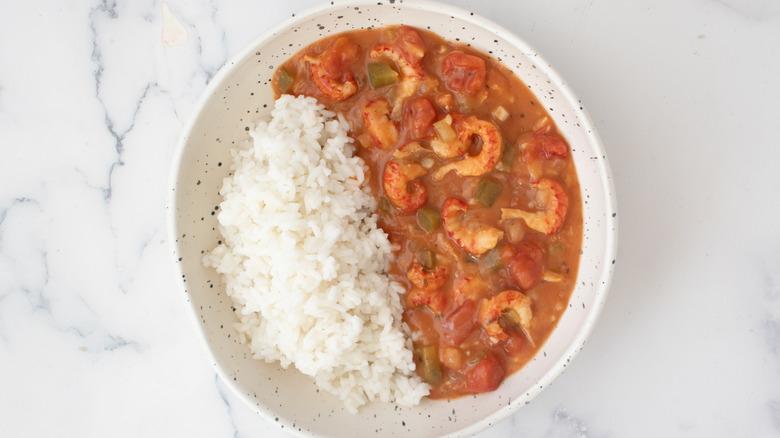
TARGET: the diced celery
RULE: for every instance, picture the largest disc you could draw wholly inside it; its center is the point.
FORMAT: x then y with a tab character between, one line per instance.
391	33
430	365
285	80
427	258
511	317
381	74
507	158
491	262
384	204
487	192
445	130
429	218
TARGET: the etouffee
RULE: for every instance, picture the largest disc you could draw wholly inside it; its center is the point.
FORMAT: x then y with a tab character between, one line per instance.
476	188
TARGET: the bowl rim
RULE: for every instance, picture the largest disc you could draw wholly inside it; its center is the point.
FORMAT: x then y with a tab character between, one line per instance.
607	185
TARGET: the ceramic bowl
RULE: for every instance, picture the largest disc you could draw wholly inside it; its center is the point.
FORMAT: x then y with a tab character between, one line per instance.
241	93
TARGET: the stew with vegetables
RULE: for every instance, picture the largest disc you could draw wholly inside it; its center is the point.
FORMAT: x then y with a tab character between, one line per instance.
476	189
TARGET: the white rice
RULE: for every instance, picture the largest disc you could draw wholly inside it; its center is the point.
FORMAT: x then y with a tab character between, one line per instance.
305	263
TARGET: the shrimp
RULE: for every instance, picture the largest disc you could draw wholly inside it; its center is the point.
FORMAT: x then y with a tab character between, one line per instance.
435	300
473	236
446	101
514	306
408	150
397	180
325	67
446	149
380	127
451	147
427	280
545	145
486	159
551	195
468	288
407	52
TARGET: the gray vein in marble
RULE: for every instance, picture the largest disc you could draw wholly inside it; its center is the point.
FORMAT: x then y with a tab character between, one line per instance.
209	72
107	341
772	333
758	10
97	58
565	424
16	202
34	293
771	286
38	290
223	394
774	411
109	7
118	342
98	338
222	43
119	138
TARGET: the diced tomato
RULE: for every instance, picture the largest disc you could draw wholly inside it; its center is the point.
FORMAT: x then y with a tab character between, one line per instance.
419	115
420	321
486	375
516	343
463	72
435	300
526	268
411	44
335	58
506	252
467	287
547	146
456	326
552	146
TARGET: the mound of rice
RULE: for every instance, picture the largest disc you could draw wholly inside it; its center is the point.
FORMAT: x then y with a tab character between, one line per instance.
305	263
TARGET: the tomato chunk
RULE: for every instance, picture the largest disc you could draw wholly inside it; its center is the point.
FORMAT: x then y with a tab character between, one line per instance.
553	146
526	267
411	45
463	72
516	343
456	326
419	115
336	57
486	375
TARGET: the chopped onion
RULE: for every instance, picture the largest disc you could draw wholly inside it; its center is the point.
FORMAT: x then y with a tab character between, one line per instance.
500	113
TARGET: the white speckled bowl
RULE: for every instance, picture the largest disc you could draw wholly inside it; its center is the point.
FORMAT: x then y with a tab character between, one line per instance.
240	93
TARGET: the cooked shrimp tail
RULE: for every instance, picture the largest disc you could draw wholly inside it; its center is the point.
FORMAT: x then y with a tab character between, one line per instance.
511	305
486	159
407	52
401	190
471	235
428	280
379	124
552	197
321	69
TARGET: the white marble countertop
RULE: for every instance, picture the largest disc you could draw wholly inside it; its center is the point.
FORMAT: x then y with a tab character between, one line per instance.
95	338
